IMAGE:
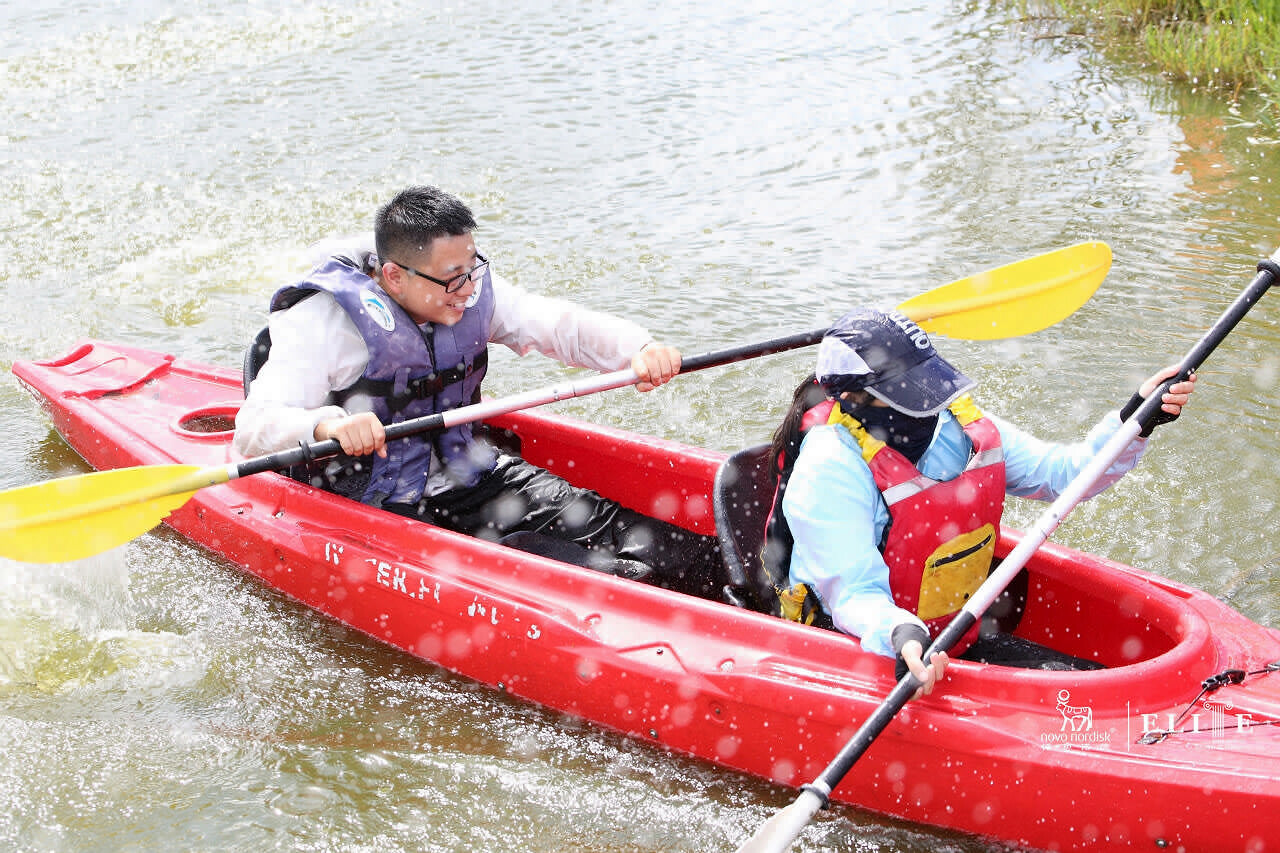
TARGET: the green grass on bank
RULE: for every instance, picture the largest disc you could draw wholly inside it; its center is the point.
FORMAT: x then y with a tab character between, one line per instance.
1227	45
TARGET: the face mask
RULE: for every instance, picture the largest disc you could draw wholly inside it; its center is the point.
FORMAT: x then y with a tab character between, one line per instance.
908	435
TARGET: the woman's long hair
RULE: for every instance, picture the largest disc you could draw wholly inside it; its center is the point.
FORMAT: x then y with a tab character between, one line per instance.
786	438
809	393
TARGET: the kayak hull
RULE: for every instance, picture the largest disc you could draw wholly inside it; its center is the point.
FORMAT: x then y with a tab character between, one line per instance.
1047	759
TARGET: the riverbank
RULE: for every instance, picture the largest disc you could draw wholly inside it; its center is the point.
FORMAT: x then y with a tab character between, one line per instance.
1229	46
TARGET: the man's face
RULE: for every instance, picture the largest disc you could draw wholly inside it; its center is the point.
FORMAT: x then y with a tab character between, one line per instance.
446	259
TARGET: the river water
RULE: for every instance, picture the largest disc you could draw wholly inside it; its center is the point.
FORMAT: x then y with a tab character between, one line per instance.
724	173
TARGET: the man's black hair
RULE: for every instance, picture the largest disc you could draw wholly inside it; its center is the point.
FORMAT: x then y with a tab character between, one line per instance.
416	216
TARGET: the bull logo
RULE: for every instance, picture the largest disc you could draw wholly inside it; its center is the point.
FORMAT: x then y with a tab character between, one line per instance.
1074	718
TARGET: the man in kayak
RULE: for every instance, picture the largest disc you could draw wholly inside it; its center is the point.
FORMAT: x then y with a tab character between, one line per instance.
892	483
398	328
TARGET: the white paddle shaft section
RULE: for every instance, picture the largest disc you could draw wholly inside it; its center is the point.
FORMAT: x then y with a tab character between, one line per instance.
579	387
565	390
1048	521
540	397
777	833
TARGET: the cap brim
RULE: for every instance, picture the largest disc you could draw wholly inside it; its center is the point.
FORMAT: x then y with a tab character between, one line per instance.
923	390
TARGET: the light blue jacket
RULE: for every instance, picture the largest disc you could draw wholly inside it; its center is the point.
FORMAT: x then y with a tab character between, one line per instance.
838	518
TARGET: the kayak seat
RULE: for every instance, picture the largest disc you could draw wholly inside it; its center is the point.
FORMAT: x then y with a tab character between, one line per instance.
255	355
742	497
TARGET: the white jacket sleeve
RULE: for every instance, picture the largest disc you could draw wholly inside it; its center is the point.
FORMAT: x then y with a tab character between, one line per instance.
525	321
570	334
836	514
315	349
1042	470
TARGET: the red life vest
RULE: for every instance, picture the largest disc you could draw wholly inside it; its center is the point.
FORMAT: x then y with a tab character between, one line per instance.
942	535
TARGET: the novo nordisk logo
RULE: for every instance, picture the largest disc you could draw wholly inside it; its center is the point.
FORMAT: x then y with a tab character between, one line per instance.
1077	724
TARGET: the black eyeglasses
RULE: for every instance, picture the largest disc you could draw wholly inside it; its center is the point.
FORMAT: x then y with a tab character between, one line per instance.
457	282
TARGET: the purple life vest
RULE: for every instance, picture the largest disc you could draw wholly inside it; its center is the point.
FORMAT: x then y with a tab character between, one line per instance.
413	371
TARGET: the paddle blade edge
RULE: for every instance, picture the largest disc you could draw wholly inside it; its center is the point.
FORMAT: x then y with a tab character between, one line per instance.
76	517
1016	299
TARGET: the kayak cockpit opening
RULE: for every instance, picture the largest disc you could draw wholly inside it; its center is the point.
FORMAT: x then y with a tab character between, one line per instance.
1057	613
1064	611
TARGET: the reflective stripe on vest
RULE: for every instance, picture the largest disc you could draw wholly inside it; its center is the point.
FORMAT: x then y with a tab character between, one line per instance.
942	534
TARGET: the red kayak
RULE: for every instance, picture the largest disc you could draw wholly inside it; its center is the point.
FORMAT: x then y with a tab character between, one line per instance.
1172	743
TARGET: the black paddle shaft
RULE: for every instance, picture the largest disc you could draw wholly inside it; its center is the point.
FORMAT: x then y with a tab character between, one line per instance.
305	452
1268	274
743	352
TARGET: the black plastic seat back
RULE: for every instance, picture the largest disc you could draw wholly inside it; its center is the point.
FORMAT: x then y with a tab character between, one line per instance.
255	355
741	499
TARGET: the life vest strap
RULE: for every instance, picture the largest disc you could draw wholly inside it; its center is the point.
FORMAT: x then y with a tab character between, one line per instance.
421	388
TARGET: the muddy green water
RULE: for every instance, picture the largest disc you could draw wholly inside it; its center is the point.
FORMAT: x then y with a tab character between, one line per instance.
722	172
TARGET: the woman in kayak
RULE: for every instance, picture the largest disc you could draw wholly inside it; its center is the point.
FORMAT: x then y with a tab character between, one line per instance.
892	483
397	327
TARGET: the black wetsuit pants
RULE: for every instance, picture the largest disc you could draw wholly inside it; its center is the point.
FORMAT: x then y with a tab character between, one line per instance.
524	506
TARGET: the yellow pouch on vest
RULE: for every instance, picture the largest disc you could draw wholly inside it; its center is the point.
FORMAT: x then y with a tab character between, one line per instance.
954	572
791	601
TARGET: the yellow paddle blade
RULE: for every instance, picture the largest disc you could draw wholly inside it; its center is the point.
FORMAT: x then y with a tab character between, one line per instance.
1015	299
76	517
